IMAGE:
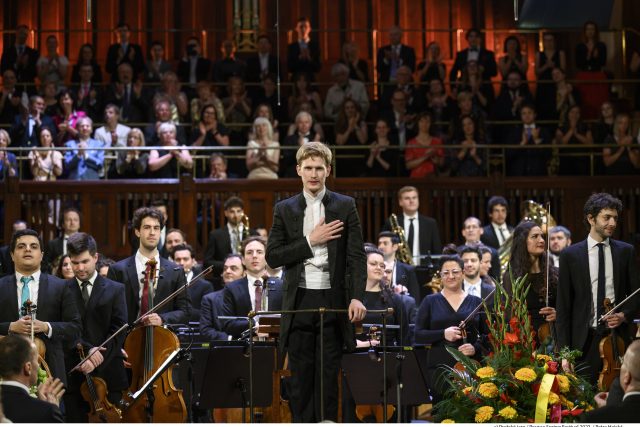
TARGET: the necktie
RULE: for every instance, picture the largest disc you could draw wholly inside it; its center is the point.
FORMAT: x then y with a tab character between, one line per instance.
85	291
501	231
144	303
601	281
235	244
25	289
258	296
411	234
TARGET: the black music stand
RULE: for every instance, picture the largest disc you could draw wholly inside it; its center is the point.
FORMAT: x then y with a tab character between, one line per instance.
226	377
365	378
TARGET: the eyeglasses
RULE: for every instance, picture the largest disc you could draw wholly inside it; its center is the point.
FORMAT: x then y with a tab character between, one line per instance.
450	273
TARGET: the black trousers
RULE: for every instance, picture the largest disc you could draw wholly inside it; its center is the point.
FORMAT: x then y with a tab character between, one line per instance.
304	359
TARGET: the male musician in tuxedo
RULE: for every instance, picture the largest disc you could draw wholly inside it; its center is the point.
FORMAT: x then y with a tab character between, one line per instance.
472	232
70	224
475	52
184	256
317	237
19	371
57	318
401	274
147	223
394	55
227	239
124	52
596	268
303	55
211	307
559	240
420	230
102	307
251	292
498	231
472	283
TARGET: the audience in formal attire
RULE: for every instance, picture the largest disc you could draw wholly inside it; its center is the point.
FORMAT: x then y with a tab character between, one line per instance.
303	55
124	51
86	56
22	59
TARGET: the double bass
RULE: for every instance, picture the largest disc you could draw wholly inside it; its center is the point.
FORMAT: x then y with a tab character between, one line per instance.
148	347
94	390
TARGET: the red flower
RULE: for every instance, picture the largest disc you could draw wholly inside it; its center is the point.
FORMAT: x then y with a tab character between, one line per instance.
505	398
513	323
510	339
574	412
556	413
552	367
535	388
517	355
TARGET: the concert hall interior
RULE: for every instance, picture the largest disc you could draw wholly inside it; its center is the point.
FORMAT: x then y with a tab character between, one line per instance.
306	211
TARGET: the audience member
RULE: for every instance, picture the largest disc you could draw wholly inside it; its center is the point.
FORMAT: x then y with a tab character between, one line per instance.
156	65
432	67
546	60
46	165
306	107
394	55
303	55
113	133
591	58
206	93
229	65
67	118
528	161
565	95
342	89
481	90
86	56
263	63
193	67
171	90
52	66
440	104
358	67
513	58
167	162
12	97
403	82
604	126
127	94
132	164
124	52
8	162
162	110
267	93
383	155
49	92
208	132
85	160
401	119
303	92
237	108
513	95
497	231
559	239
350	130
264	110
469	160
27	125
218	167
304	131
424	153
624	158
263	153
574	132
475	52
89	97
22	59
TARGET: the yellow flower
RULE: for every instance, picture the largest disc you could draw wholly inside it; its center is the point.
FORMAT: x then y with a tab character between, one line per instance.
483	414
563	383
543	357
553	398
467	390
526	374
447	421
508	413
566	402
488	390
486	372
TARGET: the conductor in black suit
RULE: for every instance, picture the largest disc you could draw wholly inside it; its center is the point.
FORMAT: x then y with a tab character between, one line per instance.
475	52
250	292
57	318
102	307
317	238
19	371
303	55
147	223
596	268
421	231
497	231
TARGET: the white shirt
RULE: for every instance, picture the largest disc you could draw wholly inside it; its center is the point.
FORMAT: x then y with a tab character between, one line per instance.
474	289
505	232
17	384
122	131
473	55
415	250
91	280
141	267
188	275
402	129
609	292
264	62
193	63
316	268
34	288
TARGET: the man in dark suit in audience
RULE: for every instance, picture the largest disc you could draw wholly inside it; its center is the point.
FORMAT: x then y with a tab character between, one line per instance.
102	307
124	52
394	55
19	371
475	52
498	231
596	268
26	127
128	94
263	63
56	247
184	256
22	59
147	223
303	55
193	67
252	292
57	320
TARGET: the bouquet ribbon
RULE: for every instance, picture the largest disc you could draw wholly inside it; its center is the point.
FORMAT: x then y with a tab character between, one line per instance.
543	398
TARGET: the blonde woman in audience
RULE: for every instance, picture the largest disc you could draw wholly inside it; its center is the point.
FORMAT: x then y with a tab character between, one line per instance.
164	163
263	153
8	163
133	163
46	165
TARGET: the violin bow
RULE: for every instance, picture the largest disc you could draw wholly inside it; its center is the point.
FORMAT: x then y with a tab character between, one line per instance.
475	310
604	316
548	253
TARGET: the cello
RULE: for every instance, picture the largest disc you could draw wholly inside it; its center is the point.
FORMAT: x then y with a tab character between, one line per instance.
94	390
611	349
148	348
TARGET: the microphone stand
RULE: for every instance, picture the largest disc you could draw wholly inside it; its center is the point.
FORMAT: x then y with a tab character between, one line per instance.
401	356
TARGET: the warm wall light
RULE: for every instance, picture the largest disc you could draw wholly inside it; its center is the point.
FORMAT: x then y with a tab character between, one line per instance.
88	10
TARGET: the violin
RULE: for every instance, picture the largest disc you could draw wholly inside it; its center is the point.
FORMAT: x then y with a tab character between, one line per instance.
611	349
29	309
148	347
94	390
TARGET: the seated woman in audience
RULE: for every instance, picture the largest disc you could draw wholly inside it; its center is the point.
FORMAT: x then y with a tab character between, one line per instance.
67	118
45	165
424	152
86	56
465	107
237	109
513	59
471	81
49	92
85	160
303	131
350	129
8	162
624	158
528	256
62	267
263	153
302	92
469	160
382	158
52	66
209	132
545	61
440	104
439	324
566	97
164	163
574	132
264	110
591	58
358	67
132	164
432	67
206	94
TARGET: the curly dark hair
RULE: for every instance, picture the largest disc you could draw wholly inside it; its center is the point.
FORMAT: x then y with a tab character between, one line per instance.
600	201
146	212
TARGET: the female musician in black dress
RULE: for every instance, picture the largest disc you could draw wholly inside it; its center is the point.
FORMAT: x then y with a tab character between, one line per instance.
438	324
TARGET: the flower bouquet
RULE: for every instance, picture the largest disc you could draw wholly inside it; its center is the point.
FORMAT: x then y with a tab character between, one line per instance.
515	383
